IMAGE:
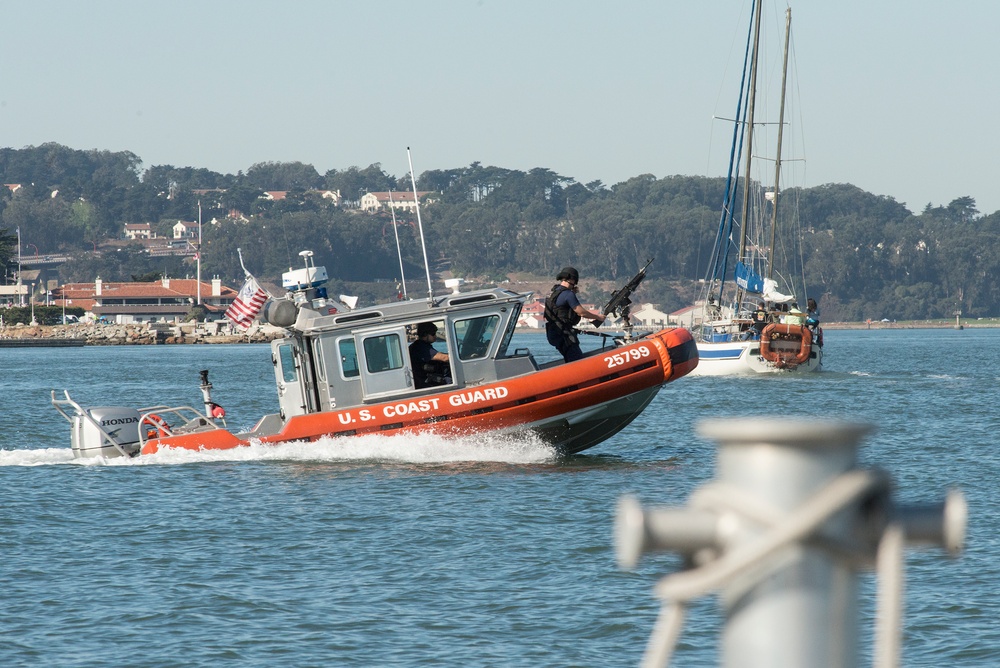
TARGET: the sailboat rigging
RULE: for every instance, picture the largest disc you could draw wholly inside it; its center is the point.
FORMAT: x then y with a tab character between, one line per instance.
748	325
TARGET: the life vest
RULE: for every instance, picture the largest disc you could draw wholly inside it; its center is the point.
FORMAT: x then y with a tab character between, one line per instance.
562	317
562	314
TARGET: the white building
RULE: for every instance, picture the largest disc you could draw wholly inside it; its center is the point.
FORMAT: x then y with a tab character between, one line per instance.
648	315
185	230
689	316
372	202
139	231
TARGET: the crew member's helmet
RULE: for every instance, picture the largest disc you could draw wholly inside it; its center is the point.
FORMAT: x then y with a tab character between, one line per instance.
568	274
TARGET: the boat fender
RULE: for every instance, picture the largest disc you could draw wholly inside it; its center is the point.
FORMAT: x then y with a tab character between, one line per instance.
160	428
218	412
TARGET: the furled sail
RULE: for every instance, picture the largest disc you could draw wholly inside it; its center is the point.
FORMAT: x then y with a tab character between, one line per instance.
772	295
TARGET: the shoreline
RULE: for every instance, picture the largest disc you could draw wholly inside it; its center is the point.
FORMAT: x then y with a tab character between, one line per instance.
211	334
909	324
77	334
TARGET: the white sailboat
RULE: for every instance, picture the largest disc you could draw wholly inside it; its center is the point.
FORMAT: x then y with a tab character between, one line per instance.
752	322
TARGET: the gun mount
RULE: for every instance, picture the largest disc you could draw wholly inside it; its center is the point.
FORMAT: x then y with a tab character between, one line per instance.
620	303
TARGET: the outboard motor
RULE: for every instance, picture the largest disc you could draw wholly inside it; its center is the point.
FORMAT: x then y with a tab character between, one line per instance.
105	431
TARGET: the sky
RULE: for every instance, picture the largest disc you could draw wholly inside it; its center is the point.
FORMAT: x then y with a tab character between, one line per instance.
897	98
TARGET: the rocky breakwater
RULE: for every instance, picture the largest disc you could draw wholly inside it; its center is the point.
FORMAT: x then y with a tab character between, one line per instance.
98	334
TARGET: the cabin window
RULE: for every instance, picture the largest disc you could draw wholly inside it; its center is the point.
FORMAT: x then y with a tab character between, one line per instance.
349	359
383	353
287	364
475	336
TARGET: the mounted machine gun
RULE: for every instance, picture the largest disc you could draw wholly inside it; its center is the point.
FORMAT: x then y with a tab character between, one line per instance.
620	303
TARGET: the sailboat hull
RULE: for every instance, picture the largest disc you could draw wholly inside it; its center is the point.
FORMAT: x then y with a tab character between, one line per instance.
737	358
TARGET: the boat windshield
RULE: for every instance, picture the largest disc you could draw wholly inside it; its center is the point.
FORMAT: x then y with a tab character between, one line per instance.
511	327
475	336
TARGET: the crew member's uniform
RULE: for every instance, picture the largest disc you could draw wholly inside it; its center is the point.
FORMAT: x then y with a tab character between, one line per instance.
561	319
427	372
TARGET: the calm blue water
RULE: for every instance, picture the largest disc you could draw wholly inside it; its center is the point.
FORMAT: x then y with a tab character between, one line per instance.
420	552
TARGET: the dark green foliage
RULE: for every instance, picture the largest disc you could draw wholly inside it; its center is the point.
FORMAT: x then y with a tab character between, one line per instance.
44	315
863	255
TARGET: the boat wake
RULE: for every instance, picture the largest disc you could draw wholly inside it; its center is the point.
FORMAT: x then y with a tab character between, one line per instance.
408	449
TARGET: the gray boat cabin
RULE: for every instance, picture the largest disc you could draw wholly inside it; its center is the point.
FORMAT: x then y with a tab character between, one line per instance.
358	357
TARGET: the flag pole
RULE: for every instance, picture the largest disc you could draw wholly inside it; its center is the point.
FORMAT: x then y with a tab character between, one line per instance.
246	273
20	297
198	255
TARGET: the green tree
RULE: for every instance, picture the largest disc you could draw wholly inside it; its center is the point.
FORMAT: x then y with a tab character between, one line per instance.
268	176
354	182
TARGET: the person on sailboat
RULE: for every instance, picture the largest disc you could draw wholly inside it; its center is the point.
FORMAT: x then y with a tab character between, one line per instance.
563	312
812	312
794	316
758	321
430	366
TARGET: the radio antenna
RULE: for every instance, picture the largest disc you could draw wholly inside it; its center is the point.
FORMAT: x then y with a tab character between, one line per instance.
399	251
420	226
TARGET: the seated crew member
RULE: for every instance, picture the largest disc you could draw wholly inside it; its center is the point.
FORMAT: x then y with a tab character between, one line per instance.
563	312
430	366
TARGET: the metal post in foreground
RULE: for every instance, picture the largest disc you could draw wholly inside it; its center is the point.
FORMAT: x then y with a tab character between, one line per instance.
781	535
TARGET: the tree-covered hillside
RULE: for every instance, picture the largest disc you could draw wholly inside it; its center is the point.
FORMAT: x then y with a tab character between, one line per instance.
862	255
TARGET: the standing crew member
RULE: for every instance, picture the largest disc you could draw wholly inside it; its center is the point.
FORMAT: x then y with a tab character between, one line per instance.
563	312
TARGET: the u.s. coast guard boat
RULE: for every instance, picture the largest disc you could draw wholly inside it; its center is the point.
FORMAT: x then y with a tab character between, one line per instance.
342	372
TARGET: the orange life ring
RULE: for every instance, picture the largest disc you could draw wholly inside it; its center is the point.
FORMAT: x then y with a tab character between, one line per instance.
785	359
160	428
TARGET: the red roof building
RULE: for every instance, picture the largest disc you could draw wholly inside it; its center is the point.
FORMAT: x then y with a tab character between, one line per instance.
166	300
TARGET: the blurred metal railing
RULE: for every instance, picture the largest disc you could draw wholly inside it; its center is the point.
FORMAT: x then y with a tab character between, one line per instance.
782	534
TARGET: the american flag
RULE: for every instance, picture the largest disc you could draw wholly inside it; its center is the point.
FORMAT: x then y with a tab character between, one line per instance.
247	304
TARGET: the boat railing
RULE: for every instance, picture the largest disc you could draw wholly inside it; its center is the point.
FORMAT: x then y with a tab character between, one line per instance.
164	421
617	338
782	535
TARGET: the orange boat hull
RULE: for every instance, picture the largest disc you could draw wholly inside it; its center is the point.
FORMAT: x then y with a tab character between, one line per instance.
580	403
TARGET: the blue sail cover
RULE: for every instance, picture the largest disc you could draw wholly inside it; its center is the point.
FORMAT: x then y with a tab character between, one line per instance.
748	279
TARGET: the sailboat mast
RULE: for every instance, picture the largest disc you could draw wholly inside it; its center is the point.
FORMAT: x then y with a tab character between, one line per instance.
777	159
751	99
